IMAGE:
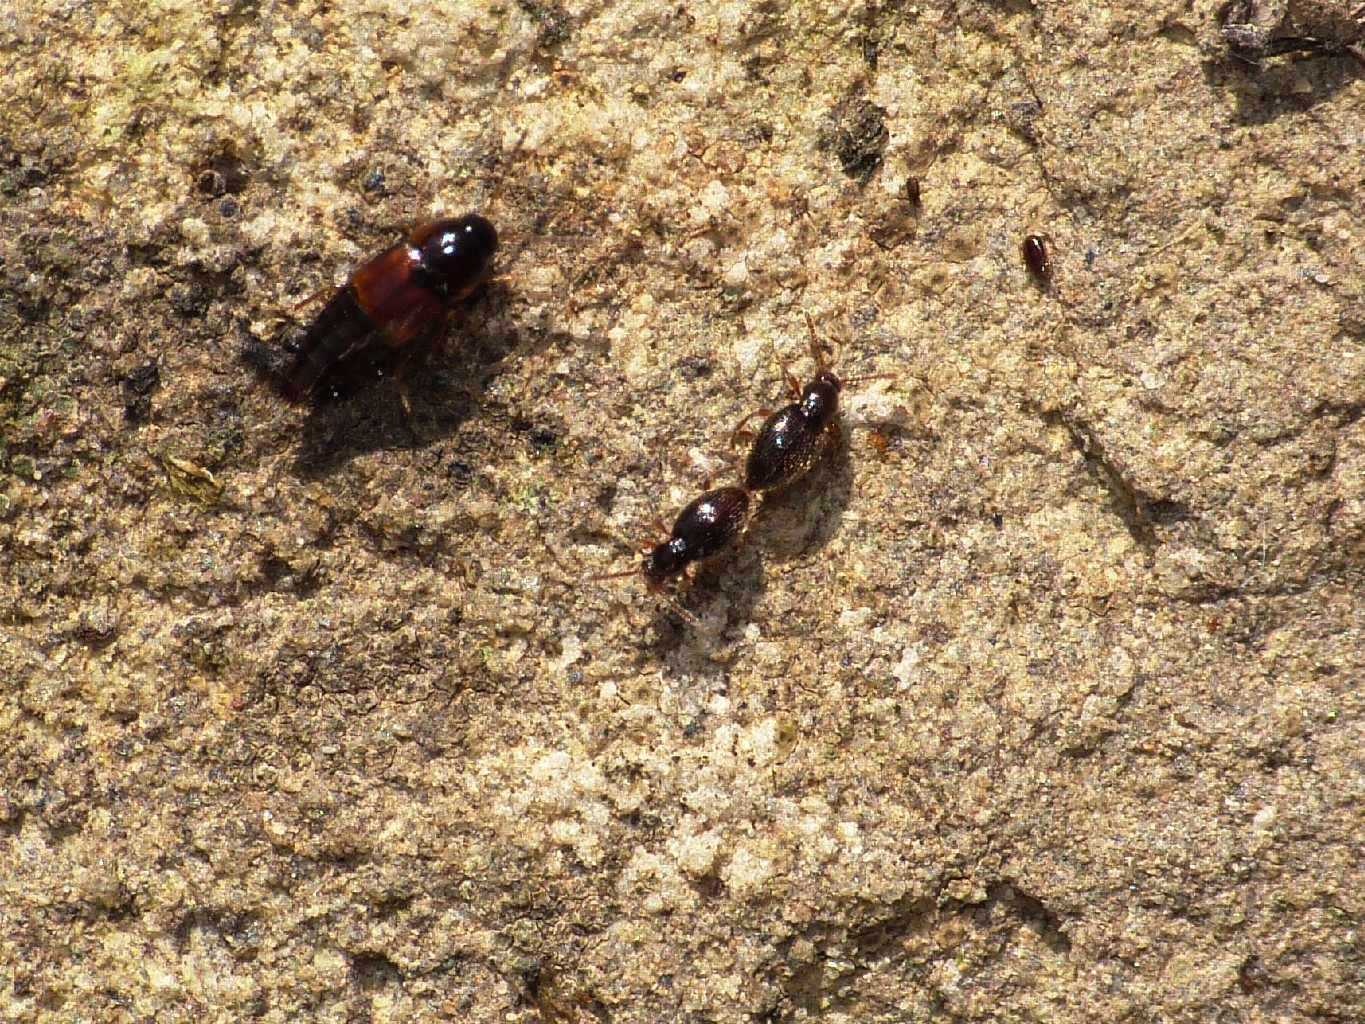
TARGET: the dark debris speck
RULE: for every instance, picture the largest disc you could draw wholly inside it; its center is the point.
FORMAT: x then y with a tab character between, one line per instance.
224	173
1021	118
554	22
138	386
856	133
189	299
695	367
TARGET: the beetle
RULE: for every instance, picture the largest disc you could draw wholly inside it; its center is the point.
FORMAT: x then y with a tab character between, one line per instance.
398	300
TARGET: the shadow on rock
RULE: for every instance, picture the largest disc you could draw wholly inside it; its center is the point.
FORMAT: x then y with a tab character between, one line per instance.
360	410
697	661
731	584
799	521
356	407
1265	91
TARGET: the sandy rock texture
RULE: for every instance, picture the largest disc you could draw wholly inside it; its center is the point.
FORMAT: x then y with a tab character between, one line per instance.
1039	700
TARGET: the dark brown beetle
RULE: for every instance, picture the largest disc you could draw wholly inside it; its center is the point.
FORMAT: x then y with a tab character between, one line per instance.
793	438
705	527
1037	259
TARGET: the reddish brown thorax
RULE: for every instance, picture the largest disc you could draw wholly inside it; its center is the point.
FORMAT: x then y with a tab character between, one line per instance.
392	292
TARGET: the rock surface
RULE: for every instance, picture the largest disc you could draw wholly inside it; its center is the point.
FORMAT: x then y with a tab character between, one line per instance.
1039	700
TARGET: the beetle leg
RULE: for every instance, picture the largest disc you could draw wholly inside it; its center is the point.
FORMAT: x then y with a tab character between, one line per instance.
740	426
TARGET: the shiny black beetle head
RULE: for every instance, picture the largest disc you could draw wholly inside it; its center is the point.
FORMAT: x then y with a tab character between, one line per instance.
456	254
666	561
820	399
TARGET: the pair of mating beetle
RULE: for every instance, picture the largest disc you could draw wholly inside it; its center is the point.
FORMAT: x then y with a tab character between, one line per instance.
401	298
784	448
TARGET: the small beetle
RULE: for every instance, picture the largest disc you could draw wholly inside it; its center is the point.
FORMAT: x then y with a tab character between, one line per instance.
792	439
1038	260
399	299
704	528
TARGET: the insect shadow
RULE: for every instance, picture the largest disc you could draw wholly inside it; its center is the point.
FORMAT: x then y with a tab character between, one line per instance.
801	519
356	407
733	583
1264	90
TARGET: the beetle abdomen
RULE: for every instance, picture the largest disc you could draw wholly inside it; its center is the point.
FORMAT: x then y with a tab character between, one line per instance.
338	329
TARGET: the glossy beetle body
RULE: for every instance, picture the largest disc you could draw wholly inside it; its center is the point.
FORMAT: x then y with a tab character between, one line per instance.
703	528
1037	259
397	299
792	439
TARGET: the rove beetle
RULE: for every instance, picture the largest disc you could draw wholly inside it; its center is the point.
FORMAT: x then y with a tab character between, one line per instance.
400	298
